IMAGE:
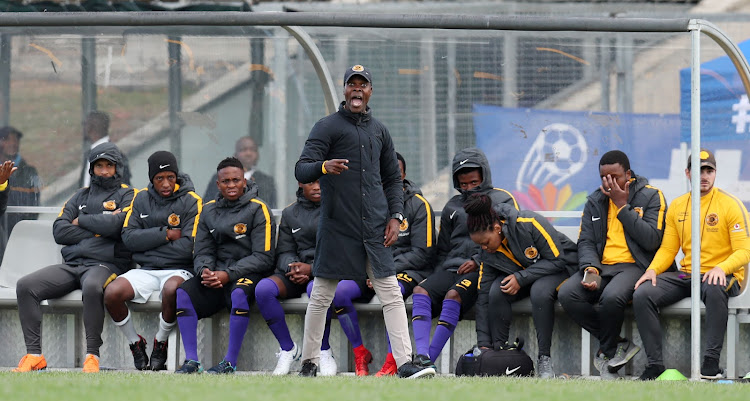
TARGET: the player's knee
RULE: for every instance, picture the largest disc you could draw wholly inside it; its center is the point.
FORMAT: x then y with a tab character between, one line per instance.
265	290
23	286
420	290
453	295
171	286
115	292
239	297
711	291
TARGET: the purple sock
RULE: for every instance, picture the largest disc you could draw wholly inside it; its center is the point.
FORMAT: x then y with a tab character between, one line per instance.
387	339
187	320
346	291
421	322
445	327
266	293
239	319
324	344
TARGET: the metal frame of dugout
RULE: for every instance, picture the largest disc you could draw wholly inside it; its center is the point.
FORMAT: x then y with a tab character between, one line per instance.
186	22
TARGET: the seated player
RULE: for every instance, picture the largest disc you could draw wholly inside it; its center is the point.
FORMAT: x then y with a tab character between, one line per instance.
89	227
522	256
414	250
621	229
159	230
295	253
452	288
724	253
233	250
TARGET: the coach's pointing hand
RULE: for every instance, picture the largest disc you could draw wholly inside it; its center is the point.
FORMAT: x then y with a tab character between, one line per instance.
335	166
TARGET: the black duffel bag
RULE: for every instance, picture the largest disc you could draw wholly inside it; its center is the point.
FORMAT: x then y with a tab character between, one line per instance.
510	360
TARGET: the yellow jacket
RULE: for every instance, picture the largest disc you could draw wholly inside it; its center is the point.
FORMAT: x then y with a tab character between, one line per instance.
725	236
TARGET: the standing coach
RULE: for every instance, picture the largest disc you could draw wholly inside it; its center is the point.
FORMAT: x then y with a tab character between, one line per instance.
352	155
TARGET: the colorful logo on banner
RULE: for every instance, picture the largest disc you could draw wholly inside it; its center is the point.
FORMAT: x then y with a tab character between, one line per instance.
549	159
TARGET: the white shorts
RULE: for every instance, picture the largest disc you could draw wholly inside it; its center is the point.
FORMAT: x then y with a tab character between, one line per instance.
146	282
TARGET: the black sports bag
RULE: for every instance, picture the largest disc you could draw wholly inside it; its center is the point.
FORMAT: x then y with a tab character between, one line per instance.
510	360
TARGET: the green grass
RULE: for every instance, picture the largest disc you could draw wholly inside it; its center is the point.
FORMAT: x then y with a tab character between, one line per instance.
113	386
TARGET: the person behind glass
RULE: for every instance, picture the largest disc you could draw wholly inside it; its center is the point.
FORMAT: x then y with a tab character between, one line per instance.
233	251
246	150
361	210
24	185
159	229
522	256
7	168
95	133
724	251
621	230
451	289
89	228
414	251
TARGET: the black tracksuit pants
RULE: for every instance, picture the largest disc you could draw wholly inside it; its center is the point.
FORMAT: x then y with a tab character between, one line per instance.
670	288
54	282
612	297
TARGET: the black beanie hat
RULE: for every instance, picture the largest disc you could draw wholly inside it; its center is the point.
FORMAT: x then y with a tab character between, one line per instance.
161	161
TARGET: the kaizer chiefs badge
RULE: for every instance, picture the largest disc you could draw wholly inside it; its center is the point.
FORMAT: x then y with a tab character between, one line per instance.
531	253
712	219
173	220
358	68
109	205
240	228
404	225
639	210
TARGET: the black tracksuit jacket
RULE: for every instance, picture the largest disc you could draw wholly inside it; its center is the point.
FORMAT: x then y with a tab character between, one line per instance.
145	228
235	236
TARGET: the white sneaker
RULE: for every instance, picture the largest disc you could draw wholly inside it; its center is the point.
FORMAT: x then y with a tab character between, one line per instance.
285	360
327	363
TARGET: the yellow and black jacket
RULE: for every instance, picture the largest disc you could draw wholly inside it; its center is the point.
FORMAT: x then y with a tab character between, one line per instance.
643	221
725	236
235	236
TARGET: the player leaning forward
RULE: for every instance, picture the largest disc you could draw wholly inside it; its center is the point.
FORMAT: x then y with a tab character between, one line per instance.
159	230
352	155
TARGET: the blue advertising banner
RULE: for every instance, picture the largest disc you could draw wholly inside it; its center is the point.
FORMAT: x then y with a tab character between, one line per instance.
549	159
725	110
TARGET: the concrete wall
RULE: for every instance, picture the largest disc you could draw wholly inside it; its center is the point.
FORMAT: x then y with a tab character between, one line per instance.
259	347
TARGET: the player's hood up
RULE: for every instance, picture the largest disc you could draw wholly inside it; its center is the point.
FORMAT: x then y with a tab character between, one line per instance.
108	151
472	158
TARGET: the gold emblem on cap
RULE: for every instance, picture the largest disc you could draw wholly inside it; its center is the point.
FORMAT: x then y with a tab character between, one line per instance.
704	155
240	228
109	205
531	252
712	219
358	68
173	220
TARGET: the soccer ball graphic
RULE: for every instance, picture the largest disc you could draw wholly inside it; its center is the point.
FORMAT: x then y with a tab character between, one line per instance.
559	152
565	145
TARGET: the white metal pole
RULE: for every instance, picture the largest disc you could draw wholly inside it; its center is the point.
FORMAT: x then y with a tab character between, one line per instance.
695	211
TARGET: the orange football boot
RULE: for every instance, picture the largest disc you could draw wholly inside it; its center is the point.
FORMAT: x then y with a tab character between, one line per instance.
30	362
91	364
